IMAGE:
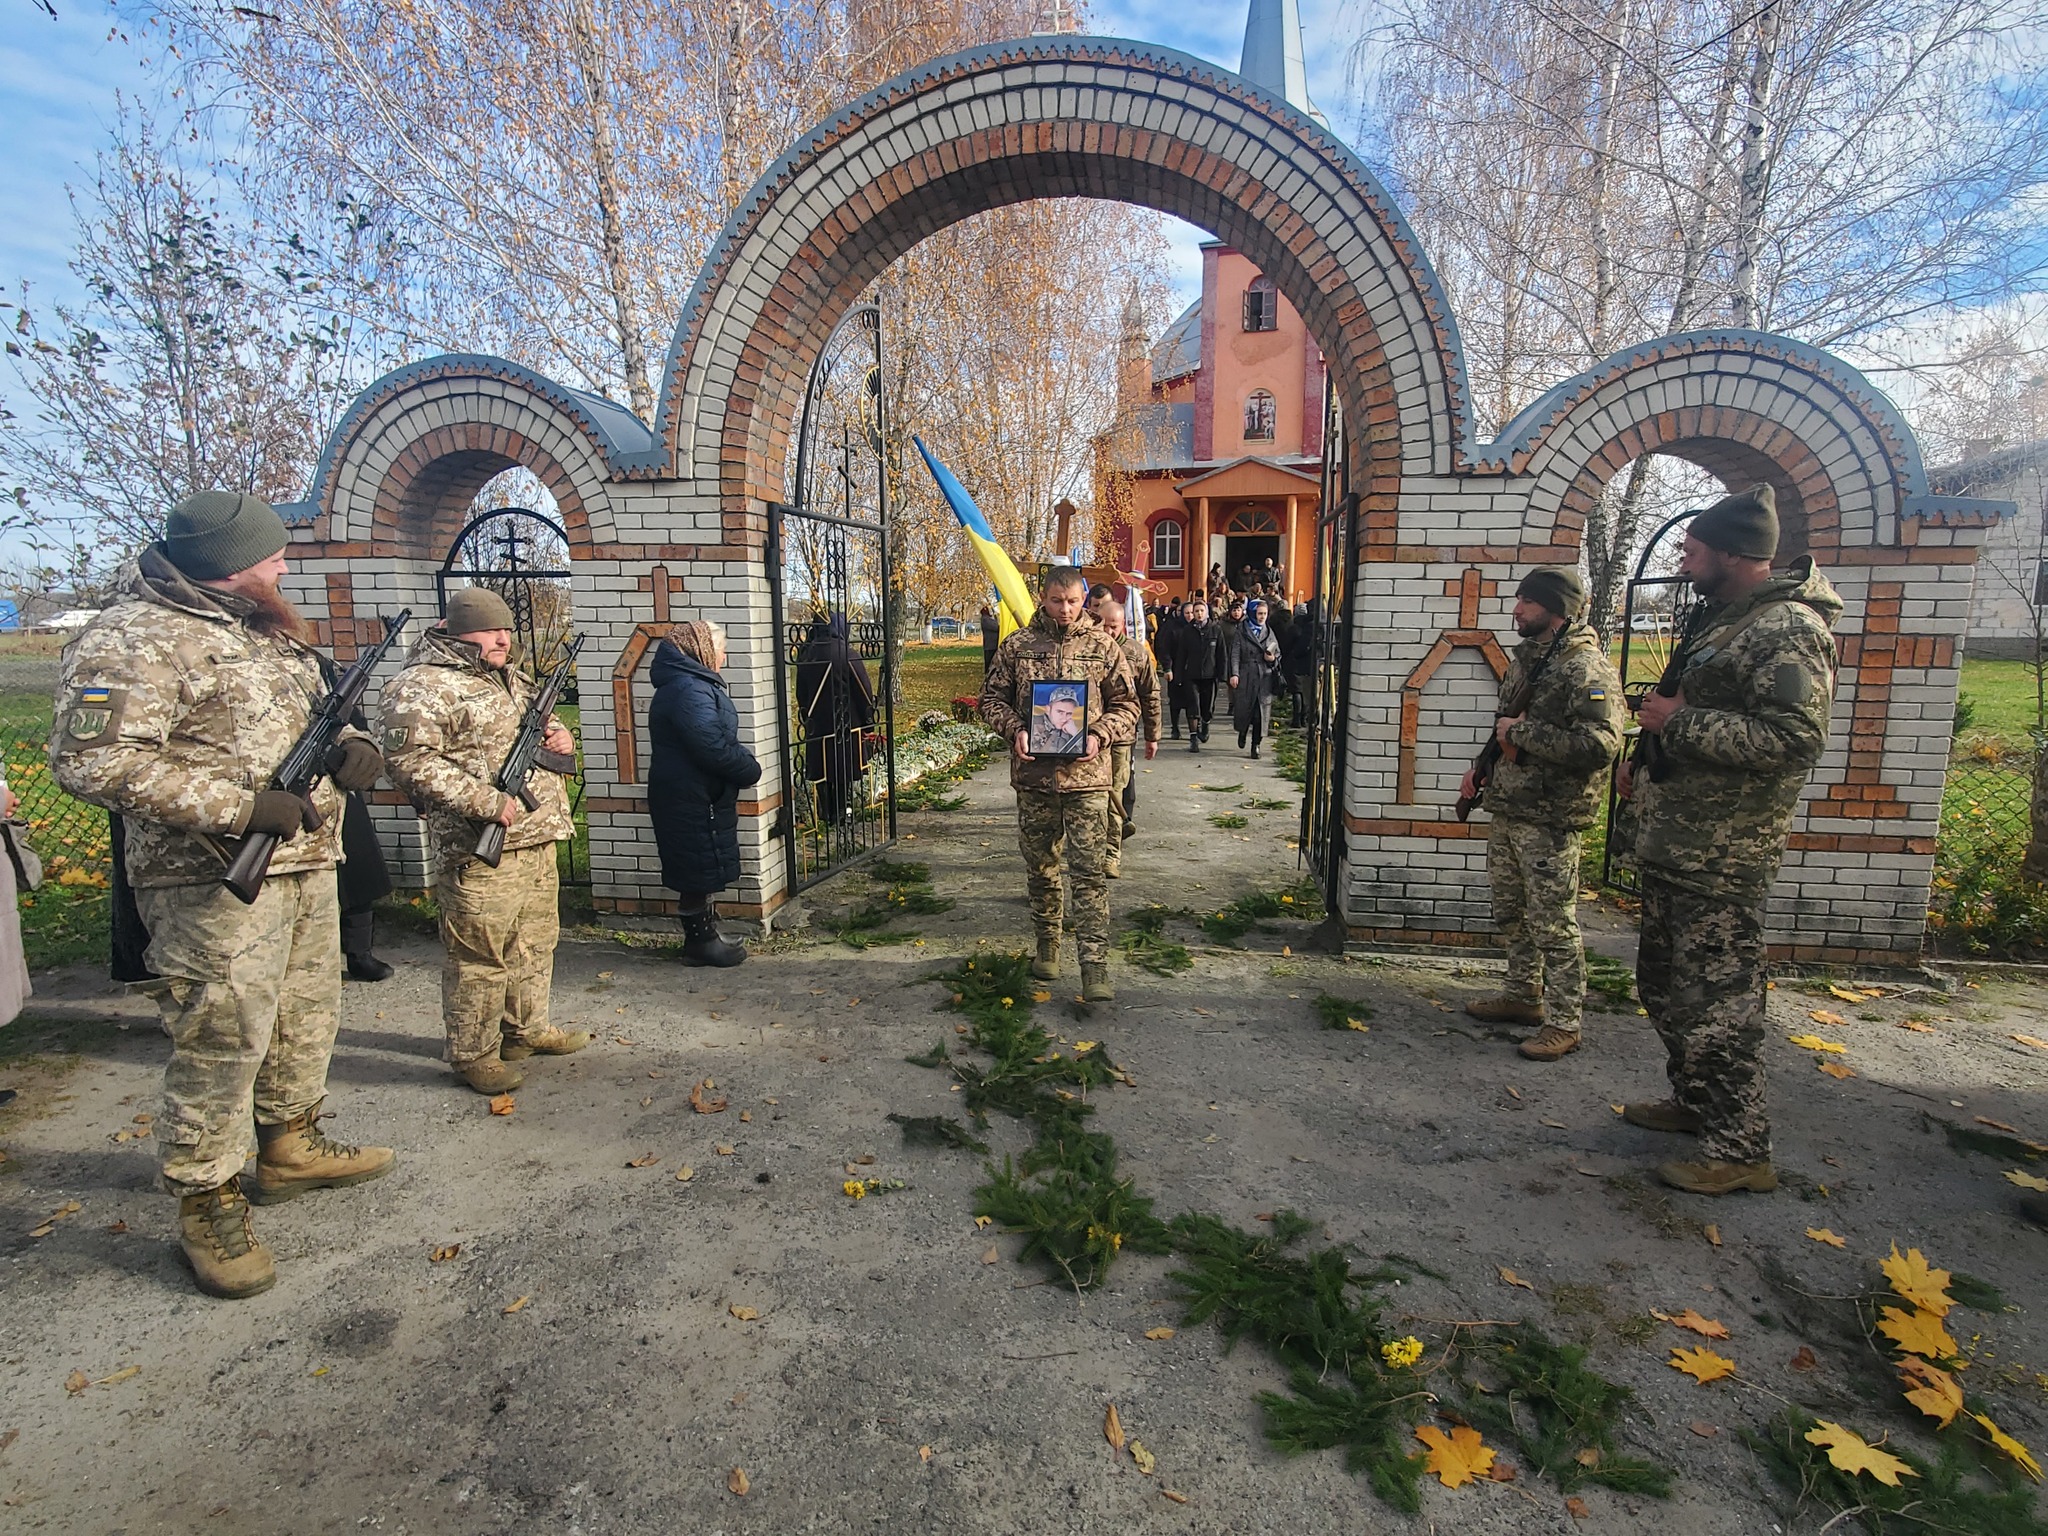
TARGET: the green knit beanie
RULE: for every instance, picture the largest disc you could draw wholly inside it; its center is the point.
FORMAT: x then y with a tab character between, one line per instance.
475	610
214	534
1745	524
1556	587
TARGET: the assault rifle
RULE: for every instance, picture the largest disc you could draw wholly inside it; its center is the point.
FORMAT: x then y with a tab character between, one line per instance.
528	753
1516	703
307	760
1648	757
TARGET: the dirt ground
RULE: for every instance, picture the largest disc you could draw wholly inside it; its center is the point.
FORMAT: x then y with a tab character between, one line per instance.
577	1365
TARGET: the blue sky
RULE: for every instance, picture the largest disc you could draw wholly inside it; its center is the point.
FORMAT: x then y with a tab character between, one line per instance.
61	79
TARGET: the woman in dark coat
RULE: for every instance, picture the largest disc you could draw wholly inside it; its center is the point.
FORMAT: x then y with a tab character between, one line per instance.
697	769
836	698
1254	658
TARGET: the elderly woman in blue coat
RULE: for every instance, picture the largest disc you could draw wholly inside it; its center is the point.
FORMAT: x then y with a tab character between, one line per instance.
693	782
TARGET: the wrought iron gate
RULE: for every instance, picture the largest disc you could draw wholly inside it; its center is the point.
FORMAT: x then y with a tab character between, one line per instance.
833	591
523	556
1322	797
1646	648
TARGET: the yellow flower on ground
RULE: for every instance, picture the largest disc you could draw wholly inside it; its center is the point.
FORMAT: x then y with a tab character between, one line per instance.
1401	1353
1103	1234
854	1189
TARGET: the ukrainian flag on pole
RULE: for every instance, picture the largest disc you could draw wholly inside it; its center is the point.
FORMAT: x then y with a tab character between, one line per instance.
1009	581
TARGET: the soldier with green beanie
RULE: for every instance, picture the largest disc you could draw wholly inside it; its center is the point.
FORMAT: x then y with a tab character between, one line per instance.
1558	729
1714	786
178	702
449	719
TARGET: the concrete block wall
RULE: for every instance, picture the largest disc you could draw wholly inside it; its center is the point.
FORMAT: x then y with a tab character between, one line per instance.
668	520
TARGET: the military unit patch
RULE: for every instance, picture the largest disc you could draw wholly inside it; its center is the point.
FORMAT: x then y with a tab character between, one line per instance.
94	716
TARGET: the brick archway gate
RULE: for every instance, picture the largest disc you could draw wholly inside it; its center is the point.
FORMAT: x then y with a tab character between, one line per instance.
673	518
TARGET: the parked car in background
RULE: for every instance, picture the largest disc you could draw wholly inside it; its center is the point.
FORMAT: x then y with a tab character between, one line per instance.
943	628
1649	623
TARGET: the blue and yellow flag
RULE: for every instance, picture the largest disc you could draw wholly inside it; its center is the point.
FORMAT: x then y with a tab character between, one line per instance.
1017	604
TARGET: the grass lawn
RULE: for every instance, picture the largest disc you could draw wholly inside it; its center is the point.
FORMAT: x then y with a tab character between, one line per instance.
934	676
2001	703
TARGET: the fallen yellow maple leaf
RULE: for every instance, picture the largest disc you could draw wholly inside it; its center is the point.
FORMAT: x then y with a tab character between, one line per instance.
1916	1026
1158	1333
1705	1327
1145	1461
1850	1452
504	1104
1815	1043
685	1173
1511	1278
1113	1428
1823	1235
1702	1364
1825	1016
1931	1389
1850	994
745	1314
1457	1458
2027	1180
444	1253
1835	1069
736	1482
1911	1277
77	1382
1917	1333
644	1162
2011	1447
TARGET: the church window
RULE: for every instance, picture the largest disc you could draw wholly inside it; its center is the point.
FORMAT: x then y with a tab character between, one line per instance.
1166	537
1261	305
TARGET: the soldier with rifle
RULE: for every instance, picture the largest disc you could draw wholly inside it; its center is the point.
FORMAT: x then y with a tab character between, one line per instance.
1728	738
1540	778
471	742
193	708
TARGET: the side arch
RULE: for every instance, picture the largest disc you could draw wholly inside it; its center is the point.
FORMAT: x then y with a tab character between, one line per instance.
399	472
1741	405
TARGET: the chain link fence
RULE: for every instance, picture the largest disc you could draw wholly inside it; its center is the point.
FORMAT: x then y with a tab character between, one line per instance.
71	836
1980	903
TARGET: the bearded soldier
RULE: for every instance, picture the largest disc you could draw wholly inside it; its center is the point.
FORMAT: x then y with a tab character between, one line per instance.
178	704
1730	736
449	719
1558	730
1063	803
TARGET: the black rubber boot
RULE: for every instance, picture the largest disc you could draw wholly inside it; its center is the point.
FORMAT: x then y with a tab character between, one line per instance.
704	944
358	939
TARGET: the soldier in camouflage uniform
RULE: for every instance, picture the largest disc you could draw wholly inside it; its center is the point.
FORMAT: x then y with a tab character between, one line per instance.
1063	803
177	705
449	719
1544	791
1725	756
1123	794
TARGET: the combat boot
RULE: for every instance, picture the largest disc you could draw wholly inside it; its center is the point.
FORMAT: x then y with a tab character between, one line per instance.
1664	1115
1095	987
219	1242
1046	966
489	1074
1505	1010
1549	1043
703	944
548	1040
294	1157
1718	1178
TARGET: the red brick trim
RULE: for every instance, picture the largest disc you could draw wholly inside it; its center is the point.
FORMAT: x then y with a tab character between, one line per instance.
1450	640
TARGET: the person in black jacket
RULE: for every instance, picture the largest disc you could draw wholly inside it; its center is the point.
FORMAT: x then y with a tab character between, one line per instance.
697	770
1192	659
836	698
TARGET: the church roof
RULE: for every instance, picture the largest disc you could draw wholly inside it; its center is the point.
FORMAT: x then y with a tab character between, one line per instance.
1179	351
1272	58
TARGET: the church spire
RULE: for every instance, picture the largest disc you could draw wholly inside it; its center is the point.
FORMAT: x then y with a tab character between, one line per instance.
1273	54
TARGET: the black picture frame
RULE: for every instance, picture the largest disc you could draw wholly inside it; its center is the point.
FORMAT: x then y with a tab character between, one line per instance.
1059	718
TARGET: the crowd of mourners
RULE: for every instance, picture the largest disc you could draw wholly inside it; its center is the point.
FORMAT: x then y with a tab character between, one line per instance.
1233	648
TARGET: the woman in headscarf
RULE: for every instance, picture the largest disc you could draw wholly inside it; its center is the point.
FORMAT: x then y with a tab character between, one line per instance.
1254	657
697	769
836	698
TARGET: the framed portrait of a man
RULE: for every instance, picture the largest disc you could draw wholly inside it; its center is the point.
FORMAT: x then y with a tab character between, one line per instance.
1059	718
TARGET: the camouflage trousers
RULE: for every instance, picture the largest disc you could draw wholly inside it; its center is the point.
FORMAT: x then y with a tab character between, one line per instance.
1700	972
499	927
250	998
1120	799
1068	835
1534	870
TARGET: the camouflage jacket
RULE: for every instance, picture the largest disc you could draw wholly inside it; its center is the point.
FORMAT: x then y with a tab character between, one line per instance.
1041	652
1757	684
447	721
1145	679
1568	737
172	713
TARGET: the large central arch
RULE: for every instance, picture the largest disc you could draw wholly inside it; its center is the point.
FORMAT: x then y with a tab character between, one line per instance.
1044	118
